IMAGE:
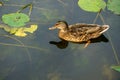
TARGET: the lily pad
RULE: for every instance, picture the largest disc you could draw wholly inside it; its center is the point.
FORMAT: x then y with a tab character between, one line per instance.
92	5
117	68
15	19
114	6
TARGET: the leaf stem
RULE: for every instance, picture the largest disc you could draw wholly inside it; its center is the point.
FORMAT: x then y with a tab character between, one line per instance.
111	43
24	7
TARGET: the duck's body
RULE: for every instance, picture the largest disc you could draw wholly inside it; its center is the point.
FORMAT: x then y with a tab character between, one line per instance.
79	32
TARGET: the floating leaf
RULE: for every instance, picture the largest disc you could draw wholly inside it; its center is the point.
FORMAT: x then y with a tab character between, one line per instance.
21	31
1	3
15	19
92	5
117	68
114	6
8	29
13	30
31	29
5	27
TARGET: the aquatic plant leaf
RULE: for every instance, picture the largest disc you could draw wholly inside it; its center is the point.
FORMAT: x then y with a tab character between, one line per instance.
114	6
117	68
92	5
13	30
1	3
5	27
31	29
21	31
15	19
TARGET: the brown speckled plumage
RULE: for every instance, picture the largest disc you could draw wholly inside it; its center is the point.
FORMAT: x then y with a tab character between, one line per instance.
79	32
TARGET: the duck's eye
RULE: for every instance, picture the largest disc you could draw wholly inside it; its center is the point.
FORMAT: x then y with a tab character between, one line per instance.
56	24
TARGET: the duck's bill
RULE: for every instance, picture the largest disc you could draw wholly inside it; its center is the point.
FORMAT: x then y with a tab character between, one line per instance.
52	28
106	27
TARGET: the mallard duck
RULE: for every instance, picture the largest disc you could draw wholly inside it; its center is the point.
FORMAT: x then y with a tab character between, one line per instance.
79	32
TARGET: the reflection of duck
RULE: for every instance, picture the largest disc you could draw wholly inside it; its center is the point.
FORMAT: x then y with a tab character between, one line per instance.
63	44
101	38
79	32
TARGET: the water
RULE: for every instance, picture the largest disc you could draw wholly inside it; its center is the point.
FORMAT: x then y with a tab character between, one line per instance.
58	62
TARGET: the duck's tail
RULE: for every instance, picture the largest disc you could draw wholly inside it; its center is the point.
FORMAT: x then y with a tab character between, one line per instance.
105	28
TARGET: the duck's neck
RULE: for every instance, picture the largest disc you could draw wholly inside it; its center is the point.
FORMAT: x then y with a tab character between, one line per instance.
64	30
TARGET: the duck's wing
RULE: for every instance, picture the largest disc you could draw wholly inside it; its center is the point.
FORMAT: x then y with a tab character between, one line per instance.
95	28
77	25
84	32
82	28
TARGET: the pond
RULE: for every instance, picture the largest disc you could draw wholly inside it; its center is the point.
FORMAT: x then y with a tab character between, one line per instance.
49	58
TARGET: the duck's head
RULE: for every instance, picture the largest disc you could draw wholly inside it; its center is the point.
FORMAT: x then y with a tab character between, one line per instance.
62	25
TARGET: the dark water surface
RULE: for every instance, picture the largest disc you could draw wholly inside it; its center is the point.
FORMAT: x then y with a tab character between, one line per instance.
56	59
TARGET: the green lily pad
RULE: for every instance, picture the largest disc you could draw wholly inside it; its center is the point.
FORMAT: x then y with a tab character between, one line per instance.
114	6
117	68
92	5
15	19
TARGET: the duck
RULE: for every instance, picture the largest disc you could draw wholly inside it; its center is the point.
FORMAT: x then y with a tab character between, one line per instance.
79	32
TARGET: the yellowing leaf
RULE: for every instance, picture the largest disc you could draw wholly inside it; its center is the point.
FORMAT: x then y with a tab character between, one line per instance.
13	30
20	32
31	29
7	29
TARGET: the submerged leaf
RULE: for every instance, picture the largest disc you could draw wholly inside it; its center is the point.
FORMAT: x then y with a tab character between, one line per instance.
117	68
92	5
114	6
15	19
